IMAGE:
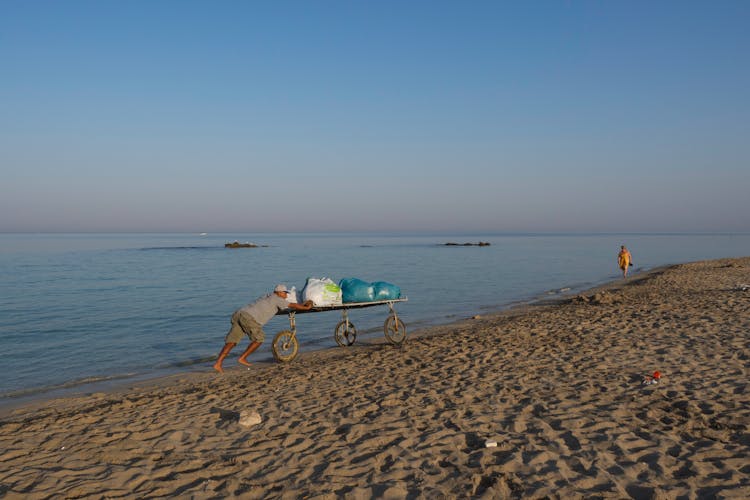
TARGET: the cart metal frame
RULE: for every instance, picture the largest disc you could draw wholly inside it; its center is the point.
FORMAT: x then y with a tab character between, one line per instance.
285	345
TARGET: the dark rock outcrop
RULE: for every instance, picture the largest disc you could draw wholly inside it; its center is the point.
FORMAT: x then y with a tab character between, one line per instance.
237	244
480	244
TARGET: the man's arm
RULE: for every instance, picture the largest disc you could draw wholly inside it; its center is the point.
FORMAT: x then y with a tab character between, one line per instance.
305	306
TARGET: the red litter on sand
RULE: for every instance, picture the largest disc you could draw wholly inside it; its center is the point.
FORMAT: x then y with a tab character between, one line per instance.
652	379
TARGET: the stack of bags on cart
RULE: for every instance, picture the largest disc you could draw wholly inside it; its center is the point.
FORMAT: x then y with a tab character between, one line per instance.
325	292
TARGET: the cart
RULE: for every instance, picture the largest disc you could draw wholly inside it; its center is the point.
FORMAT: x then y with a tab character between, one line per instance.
285	346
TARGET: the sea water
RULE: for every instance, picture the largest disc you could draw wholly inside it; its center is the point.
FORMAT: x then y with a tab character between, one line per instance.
81	308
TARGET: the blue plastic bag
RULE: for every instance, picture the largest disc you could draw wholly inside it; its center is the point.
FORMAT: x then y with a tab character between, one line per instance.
386	291
356	290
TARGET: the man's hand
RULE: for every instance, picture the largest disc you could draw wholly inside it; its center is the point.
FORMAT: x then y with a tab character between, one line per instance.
305	306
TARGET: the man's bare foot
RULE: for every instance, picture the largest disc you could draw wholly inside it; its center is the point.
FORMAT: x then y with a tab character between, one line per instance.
244	362
218	367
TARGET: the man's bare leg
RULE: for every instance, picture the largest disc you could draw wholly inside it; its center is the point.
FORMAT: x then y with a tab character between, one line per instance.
250	349
223	354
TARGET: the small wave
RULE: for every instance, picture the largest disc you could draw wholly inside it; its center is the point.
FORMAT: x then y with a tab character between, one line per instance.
187	362
67	385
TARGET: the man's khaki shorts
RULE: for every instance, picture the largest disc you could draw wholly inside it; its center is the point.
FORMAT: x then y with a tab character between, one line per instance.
244	324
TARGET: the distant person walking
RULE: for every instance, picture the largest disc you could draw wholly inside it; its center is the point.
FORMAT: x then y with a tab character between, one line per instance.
249	320
624	260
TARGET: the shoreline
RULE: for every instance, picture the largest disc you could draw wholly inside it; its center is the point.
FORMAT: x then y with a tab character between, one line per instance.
120	382
557	384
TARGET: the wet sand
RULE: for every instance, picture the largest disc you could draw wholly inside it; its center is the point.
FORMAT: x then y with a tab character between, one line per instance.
558	386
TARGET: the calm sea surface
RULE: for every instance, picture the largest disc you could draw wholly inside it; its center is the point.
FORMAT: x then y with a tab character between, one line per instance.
81	308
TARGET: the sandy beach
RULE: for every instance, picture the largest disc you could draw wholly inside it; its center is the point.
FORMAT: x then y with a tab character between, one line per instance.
559	387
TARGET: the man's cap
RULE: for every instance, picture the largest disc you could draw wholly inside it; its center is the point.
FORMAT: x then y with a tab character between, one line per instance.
280	288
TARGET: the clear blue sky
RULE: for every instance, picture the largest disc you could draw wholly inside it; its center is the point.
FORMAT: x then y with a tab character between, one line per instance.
384	116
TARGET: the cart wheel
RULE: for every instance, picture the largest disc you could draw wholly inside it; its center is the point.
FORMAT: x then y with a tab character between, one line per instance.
345	336
285	346
395	330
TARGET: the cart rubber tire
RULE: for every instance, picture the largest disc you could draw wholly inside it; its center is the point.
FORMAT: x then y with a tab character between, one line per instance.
285	346
345	337
395	330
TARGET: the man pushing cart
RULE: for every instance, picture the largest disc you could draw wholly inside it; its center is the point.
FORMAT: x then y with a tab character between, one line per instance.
250	319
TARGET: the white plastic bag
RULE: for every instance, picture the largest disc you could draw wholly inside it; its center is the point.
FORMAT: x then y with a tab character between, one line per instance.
322	292
291	297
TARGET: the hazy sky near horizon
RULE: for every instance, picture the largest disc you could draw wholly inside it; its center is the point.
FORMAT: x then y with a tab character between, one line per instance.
375	116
